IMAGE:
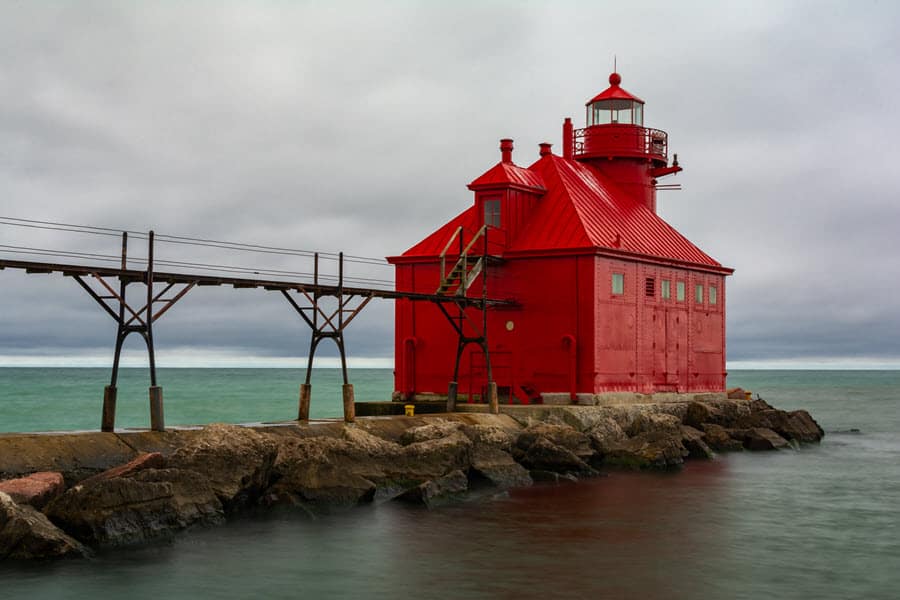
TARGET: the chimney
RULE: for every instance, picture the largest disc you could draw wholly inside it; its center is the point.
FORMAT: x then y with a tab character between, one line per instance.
567	138
545	148
506	148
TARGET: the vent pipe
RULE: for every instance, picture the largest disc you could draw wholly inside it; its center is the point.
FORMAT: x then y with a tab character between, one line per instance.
506	148
567	139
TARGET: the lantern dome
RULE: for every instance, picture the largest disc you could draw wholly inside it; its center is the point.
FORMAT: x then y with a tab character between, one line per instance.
615	105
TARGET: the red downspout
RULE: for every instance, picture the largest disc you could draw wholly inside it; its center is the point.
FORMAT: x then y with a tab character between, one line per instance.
569	342
409	352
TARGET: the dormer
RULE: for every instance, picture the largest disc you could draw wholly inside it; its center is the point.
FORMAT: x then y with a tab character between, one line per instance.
505	195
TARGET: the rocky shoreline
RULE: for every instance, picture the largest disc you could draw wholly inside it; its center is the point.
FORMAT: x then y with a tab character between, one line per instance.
220	471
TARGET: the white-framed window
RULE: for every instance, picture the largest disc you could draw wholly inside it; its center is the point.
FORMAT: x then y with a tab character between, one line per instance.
618	283
492	213
713	293
679	291
665	289
698	293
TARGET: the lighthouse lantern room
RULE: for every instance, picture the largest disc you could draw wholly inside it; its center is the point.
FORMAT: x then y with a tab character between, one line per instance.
605	297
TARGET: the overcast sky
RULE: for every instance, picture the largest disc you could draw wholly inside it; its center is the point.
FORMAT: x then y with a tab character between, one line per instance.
355	127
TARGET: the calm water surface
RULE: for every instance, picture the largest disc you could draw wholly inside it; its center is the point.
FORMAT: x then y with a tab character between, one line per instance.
822	522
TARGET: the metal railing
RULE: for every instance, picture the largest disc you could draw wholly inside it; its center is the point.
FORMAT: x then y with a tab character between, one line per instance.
620	140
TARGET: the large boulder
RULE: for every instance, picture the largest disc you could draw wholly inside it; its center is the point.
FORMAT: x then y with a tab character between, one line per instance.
699	413
730	411
430	431
320	474
236	460
797	425
694	441
498	468
544	455
147	460
36	489
431	451
26	534
488	435
150	504
491	461
651	450
606	434
562	436
654	422
440	491
761	438
720	439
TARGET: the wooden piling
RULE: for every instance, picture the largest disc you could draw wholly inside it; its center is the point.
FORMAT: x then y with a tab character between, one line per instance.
108	417
349	407
493	400
451	397
157	418
305	393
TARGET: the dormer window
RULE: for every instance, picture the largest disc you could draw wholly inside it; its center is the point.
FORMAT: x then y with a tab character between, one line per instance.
615	111
492	212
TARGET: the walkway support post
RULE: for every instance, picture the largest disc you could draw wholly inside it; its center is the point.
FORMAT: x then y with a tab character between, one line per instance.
131	319
451	396
327	324
303	411
349	406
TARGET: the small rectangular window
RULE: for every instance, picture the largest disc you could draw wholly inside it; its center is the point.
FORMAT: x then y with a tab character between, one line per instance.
492	213
618	283
666	289
712	294
650	287
679	291
698	293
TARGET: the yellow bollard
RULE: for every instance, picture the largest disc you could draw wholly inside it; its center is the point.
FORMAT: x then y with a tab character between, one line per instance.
410	410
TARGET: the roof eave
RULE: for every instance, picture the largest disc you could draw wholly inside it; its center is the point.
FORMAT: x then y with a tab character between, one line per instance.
621	254
478	187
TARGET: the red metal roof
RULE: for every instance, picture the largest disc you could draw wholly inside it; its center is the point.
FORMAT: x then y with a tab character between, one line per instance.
508	174
582	208
434	244
614	91
581	211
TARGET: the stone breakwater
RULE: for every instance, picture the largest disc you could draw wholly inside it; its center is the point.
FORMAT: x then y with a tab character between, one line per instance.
68	495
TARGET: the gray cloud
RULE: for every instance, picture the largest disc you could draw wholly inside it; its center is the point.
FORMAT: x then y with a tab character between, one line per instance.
355	127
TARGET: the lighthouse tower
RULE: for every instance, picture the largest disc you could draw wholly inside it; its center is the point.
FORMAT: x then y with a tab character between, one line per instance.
616	143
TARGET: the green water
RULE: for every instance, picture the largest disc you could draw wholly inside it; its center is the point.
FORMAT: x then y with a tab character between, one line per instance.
821	522
36	399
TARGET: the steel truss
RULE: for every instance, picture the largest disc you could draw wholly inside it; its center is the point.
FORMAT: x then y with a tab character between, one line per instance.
131	319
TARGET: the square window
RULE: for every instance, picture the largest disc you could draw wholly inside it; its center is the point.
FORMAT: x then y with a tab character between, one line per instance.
712	294
666	289
679	291
618	283
698	293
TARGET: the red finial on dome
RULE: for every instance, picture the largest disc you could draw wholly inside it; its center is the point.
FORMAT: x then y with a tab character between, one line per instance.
615	79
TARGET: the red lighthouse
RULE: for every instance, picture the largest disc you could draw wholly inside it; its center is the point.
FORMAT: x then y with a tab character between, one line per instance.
606	297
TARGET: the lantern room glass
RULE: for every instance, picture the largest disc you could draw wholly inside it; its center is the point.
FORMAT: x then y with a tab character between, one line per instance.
615	111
